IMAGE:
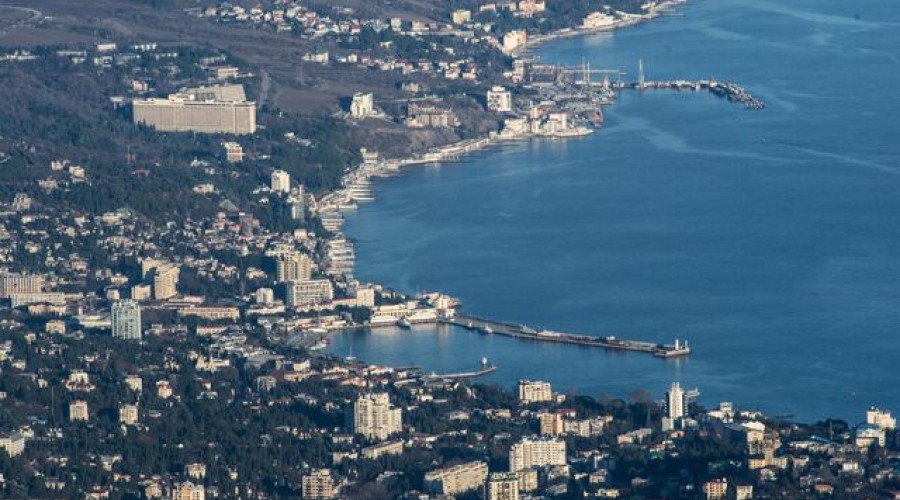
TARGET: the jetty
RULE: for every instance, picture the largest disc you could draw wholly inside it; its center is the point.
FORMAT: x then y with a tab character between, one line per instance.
522	332
484	369
731	91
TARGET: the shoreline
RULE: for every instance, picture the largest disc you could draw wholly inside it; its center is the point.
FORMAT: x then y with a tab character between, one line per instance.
340	199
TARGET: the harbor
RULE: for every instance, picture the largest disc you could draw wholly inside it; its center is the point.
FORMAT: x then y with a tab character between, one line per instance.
522	332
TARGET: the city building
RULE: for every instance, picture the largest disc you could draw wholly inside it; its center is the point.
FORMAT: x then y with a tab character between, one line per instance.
536	452
715	489
281	181
164	277
362	105
78	411
881	419
502	486
163	389
676	404
128	414
379	450
135	383
374	418
456	479
126	320
293	266
318	484
514	40
461	16
499	99
305	294
743	492
210	110
13	443
551	424
534	391
14	283
234	153
211	313
188	491
870	435
424	116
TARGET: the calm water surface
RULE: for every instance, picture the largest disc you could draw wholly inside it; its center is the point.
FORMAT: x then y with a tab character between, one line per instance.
771	240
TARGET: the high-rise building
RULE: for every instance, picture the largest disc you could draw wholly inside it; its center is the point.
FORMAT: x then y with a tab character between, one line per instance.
14	283
293	266
303	295
281	181
676	404
499	99
502	486
318	484
210	110
715	489
551	424
165	281
534	391
374	418
78	411
456	479
882	419
536	452
126	320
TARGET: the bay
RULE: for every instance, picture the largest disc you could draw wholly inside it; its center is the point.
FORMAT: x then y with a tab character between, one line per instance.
770	239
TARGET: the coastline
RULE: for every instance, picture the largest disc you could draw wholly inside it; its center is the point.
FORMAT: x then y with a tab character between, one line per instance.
341	199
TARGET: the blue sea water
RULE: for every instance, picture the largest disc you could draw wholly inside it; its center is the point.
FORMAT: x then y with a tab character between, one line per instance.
769	239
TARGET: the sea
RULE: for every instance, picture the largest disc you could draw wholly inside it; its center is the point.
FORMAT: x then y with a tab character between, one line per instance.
769	240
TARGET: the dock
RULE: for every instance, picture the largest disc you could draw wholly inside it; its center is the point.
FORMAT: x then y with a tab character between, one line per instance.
522	332
485	369
731	91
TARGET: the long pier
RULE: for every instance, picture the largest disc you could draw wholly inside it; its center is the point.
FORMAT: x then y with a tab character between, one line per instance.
485	369
523	332
731	91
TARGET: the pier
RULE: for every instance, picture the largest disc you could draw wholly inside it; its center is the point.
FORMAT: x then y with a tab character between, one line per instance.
731	91
484	369
522	332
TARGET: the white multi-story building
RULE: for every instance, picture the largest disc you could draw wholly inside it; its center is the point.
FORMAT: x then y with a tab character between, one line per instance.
456	479
293	266
128	414
374	418
126	320
13	444
165	281
14	283
362	105
502	486
78	411
281	181
318	484
306	294
188	491
536	452
499	99
531	391
882	419
514	40
676	406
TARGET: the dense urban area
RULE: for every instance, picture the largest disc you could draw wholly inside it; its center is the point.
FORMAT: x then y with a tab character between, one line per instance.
172	179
